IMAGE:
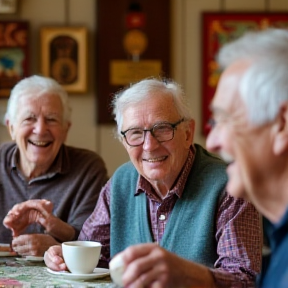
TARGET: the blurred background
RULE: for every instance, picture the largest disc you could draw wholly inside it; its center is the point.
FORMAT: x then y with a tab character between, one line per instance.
185	61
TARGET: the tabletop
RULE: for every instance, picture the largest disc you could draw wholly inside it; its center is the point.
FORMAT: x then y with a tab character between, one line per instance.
16	273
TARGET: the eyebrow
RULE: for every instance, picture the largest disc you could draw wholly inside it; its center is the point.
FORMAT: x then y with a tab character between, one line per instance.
217	110
157	123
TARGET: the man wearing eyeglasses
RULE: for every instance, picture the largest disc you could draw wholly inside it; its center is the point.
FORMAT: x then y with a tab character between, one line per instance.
169	205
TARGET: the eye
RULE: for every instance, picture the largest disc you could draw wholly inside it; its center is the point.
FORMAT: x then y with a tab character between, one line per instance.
134	133
29	119
52	120
162	128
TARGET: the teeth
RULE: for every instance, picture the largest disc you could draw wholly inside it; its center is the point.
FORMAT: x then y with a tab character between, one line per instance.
39	143
155	159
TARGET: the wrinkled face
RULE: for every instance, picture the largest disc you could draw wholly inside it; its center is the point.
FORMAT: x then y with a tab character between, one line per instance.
246	148
38	130
159	163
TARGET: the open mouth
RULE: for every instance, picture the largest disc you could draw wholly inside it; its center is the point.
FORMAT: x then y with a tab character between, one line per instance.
40	143
226	157
154	160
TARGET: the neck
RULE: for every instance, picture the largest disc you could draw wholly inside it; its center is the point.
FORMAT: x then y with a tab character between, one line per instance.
161	189
32	171
274	205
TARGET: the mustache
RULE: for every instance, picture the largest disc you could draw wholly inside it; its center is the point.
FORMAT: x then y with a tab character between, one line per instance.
226	157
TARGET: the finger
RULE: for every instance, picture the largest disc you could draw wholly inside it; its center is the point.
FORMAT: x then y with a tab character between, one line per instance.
149	267
136	251
9	219
156	284
54	260
41	205
23	244
149	279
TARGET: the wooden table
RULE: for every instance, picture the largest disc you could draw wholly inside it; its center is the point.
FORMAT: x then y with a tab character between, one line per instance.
26	274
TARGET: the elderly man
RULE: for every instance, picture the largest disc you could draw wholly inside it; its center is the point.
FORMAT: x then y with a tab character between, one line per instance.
50	188
250	109
172	193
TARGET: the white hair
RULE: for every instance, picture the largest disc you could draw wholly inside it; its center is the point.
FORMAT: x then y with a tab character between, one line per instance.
36	86
142	90
264	85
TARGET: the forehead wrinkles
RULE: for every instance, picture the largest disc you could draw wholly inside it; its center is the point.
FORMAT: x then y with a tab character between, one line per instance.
151	109
227	94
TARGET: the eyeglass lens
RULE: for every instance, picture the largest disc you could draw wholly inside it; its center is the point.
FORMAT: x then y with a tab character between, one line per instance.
162	132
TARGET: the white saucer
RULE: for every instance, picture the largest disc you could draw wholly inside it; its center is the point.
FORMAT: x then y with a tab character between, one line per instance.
97	273
7	254
31	258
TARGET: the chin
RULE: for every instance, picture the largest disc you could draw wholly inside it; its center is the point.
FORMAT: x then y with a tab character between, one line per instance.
236	191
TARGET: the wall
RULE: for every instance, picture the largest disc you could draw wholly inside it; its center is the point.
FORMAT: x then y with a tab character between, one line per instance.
186	61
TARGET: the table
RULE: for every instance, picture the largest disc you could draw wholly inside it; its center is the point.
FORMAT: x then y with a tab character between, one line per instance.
26	274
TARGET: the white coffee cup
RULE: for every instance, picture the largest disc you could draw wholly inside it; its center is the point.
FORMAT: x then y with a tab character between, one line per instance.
81	257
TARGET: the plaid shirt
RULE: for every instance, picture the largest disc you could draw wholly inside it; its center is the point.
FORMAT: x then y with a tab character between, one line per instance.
238	229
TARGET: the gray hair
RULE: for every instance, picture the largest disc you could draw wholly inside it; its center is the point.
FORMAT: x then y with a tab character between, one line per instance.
264	85
141	91
35	86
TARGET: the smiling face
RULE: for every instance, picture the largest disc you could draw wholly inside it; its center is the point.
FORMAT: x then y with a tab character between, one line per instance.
159	163
39	132
247	148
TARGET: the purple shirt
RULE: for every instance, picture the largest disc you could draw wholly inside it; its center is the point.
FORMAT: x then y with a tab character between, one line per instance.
238	244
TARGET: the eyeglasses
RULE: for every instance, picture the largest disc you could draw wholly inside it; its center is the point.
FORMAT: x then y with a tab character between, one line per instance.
162	132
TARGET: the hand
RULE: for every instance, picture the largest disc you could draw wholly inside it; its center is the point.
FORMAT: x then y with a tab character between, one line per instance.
32	244
37	211
53	258
149	265
26	213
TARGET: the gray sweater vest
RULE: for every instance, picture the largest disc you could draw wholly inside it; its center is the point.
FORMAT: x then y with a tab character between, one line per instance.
190	231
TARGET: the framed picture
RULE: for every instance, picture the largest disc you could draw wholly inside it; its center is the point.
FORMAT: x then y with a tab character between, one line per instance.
64	56
13	54
218	29
8	6
133	43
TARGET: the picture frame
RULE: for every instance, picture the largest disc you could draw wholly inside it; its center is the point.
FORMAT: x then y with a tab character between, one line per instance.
14	54
218	29
8	6
64	56
139	48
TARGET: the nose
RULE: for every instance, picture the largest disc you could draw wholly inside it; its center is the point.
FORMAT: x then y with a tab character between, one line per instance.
40	126
150	142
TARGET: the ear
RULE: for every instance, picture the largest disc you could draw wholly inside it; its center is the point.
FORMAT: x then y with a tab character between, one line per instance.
190	132
66	129
10	129
280	144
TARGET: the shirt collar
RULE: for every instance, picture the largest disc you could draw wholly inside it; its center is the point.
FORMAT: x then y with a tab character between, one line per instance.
144	186
60	165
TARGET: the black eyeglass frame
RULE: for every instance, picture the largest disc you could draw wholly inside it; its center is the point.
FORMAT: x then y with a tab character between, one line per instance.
173	126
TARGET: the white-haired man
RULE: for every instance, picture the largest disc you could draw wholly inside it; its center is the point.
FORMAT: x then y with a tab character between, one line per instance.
250	109
47	189
173	193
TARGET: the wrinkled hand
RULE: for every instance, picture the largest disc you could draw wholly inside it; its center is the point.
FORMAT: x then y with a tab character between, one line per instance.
149	265
32	244
26	213
53	258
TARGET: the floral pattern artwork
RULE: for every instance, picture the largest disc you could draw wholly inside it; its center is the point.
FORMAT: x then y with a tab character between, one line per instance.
218	29
27	274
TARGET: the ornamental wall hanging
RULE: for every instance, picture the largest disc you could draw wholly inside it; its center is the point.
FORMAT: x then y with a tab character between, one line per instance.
133	42
64	56
13	54
218	29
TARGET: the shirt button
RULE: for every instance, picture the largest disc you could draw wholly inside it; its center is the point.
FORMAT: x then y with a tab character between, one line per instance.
162	217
